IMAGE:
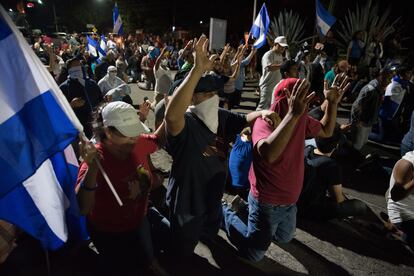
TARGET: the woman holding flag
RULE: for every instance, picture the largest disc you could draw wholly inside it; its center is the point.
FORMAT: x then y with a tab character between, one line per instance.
120	231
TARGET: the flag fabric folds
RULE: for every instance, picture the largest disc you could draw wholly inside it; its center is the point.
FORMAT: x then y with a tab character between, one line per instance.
260	27
37	125
118	26
102	47
324	20
92	46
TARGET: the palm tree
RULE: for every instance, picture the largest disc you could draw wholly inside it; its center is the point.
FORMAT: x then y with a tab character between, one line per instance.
368	19
290	25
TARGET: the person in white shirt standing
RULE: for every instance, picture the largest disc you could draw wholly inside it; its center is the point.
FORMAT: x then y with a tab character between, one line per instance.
163	79
271	62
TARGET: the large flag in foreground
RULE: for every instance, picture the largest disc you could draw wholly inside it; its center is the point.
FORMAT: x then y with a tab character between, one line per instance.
37	125
324	20
118	27
260	27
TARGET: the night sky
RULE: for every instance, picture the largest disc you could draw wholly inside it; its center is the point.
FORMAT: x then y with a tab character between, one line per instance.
158	15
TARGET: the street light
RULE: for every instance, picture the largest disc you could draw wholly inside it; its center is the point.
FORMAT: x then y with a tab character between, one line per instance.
201	22
10	10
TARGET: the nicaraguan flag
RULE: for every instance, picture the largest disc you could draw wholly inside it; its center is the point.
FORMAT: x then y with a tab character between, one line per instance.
92	46
260	27
324	20
118	28
38	167
102	47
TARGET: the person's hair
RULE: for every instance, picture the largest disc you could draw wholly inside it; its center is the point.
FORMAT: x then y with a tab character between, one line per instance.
97	123
403	69
354	36
286	67
326	145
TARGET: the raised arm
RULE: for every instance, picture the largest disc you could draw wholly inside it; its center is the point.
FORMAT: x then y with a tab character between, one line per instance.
404	181
159	59
181	99
333	98
272	147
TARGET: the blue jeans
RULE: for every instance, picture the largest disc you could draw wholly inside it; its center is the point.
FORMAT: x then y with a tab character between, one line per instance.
266	222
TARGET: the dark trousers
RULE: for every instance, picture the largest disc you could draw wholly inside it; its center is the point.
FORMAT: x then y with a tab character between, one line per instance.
408	228
128	252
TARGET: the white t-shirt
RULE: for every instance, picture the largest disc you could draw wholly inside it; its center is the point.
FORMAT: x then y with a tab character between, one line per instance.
269	78
162	80
402	210
106	83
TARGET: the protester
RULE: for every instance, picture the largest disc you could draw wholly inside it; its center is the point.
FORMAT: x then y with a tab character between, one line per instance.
356	48
121	234
400	199
82	93
271	62
198	142
242	76
277	152
324	175
101	69
407	143
365	109
288	69
147	65
162	78
110	81
339	68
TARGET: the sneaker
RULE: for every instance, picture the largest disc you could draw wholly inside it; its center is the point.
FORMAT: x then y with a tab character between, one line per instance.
237	204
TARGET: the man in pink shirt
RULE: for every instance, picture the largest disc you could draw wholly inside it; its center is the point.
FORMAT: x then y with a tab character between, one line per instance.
276	175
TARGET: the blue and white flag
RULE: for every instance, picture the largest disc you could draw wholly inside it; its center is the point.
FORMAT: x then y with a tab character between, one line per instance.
92	46
260	27
38	167
324	20
118	27
102	47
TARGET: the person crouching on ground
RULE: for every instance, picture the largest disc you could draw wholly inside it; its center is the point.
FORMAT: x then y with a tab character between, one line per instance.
276	176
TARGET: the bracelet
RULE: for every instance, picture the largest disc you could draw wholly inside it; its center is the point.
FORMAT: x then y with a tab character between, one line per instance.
83	187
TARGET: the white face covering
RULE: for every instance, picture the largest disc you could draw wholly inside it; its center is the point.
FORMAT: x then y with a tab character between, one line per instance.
76	73
207	112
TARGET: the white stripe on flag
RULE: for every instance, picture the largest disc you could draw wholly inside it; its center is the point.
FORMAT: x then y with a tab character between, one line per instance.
323	25
40	82
48	196
118	24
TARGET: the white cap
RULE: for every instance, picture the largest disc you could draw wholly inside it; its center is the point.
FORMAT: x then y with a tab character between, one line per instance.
151	48
281	40
123	117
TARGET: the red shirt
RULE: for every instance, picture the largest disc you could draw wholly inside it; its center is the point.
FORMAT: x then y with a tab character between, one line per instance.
280	183
107	215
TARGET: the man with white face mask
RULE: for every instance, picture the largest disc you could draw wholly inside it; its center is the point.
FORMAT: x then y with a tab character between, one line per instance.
82	93
197	138
110	81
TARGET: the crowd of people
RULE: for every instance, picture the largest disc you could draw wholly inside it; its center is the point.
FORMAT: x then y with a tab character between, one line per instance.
282	160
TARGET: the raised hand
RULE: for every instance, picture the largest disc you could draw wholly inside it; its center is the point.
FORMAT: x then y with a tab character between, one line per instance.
298	99
200	52
87	151
339	86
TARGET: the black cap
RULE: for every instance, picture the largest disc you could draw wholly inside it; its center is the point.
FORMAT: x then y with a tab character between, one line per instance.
209	83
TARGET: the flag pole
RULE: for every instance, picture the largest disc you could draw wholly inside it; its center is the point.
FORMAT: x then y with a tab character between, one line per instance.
254	10
108	181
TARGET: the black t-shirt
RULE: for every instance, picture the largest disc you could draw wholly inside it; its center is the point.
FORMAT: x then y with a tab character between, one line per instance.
321	172
198	172
92	96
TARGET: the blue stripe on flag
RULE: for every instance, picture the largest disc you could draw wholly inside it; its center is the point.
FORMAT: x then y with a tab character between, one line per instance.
327	20
5	30
26	216
40	129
